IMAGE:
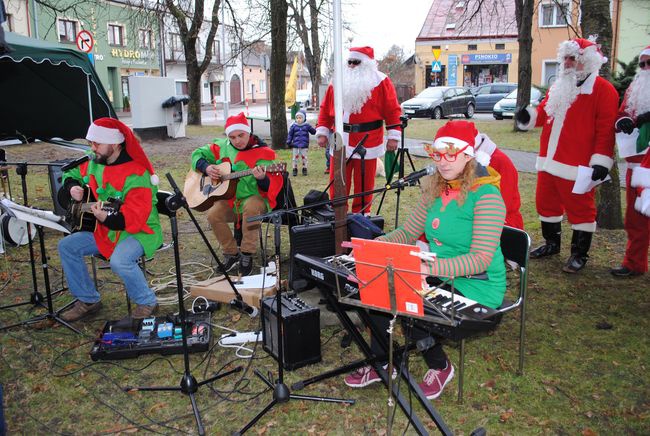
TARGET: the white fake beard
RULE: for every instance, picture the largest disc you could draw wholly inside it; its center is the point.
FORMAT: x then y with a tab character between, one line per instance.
638	101
562	94
358	83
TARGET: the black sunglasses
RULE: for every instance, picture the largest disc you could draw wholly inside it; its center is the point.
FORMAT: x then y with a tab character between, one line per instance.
642	64
354	62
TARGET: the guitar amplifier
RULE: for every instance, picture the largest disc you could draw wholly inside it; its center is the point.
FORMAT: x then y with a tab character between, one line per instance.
300	331
313	240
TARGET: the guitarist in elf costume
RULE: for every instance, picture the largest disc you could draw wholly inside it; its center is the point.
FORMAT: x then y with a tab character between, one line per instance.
256	194
120	170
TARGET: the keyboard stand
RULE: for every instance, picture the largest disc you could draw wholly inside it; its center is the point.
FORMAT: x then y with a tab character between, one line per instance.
371	359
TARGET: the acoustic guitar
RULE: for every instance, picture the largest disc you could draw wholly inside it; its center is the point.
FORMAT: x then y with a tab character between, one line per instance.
79	216
202	191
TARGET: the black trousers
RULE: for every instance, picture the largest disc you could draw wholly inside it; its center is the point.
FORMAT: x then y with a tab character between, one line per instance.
434	356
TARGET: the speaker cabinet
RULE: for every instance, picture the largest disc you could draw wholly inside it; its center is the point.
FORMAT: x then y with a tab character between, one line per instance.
55	173
313	240
300	331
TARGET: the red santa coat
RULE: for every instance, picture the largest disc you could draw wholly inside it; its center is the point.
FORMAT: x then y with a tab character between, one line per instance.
641	181
583	136
382	105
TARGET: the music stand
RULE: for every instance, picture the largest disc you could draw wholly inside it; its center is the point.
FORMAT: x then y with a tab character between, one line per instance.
40	219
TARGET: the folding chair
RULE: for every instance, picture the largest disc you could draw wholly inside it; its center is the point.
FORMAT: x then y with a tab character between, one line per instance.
515	245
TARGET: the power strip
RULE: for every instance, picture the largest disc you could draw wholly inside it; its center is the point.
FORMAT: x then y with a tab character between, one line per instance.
240	338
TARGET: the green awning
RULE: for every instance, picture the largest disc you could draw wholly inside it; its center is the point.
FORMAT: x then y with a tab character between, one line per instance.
48	90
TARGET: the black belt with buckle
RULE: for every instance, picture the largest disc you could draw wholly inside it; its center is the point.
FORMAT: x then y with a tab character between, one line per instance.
363	127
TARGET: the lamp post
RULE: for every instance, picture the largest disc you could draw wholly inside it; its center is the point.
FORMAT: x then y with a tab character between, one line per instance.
226	85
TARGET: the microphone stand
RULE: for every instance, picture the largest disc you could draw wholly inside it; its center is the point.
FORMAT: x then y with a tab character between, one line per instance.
36	298
281	392
400	155
188	386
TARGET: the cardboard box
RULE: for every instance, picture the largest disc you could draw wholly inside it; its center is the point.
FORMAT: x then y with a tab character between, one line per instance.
218	289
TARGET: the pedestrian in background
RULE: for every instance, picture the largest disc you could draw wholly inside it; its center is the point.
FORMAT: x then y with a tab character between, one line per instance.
298	140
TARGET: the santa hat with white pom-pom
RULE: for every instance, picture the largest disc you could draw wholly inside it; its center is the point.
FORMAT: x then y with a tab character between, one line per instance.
112	131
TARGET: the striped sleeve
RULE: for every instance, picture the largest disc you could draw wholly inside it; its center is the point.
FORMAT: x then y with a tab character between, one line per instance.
489	215
412	228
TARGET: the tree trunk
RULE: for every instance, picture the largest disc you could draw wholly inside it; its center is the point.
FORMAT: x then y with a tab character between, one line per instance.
524	12
317	56
278	71
596	20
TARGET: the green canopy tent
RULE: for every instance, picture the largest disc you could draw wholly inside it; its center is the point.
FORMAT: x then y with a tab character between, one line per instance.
48	90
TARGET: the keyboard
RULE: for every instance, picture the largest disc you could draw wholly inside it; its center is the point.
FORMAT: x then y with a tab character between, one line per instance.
466	315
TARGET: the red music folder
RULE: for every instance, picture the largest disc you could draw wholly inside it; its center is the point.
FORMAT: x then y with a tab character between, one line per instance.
371	259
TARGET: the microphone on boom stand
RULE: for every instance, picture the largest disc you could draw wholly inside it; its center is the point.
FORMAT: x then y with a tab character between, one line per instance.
412	178
75	163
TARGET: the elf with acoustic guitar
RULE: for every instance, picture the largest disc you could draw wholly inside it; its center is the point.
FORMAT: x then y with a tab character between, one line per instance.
254	194
119	172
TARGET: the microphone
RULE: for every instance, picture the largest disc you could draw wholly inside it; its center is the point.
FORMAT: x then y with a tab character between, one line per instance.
413	177
75	163
241	306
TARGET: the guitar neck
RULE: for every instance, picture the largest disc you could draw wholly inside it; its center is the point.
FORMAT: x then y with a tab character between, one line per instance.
240	174
85	207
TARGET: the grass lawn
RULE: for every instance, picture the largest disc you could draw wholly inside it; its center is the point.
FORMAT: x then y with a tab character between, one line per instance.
586	369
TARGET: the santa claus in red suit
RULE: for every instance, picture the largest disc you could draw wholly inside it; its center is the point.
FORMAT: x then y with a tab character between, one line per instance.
487	154
577	119
369	104
634	119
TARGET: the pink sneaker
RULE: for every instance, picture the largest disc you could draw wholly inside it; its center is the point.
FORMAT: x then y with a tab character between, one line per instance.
435	381
364	376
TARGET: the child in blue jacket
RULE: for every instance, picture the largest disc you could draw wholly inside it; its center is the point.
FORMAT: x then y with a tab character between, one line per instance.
298	139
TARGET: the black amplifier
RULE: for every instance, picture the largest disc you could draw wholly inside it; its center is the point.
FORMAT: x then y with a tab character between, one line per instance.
301	331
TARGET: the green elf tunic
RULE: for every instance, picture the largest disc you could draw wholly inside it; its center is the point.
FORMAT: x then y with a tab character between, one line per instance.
465	238
130	182
256	153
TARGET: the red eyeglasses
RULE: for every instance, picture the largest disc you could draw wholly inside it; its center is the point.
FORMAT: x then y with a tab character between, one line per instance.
437	156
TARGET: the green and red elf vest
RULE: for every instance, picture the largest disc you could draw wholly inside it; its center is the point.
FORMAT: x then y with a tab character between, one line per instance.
221	150
131	183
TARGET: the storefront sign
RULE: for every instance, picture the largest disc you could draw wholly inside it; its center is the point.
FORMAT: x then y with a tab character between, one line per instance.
496	58
133	57
451	75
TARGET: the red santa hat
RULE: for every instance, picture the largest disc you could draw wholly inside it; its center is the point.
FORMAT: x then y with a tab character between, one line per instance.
237	122
586	51
362	53
460	135
112	131
645	51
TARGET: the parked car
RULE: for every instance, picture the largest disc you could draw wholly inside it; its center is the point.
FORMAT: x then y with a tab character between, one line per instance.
303	96
440	101
505	108
487	95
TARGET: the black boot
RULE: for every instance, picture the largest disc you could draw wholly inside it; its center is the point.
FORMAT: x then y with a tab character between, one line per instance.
580	244
551	233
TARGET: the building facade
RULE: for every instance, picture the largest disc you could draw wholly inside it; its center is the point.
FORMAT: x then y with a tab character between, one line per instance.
454	50
632	29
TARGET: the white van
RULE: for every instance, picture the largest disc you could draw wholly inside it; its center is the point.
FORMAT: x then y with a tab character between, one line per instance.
303	96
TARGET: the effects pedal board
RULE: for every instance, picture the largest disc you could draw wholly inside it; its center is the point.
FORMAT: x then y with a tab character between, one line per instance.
126	339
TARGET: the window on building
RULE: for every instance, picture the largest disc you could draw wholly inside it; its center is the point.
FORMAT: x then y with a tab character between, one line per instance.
67	30
472	47
500	46
116	35
145	38
554	14
234	49
216	88
176	43
434	47
549	72
217	51
450	26
263	86
249	86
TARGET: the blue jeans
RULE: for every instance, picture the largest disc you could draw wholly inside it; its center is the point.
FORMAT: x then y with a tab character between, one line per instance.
124	262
